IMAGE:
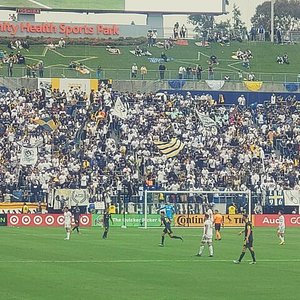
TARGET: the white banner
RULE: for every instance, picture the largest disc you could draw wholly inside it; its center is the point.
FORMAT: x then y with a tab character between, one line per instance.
69	197
215	84
45	84
29	156
291	197
120	110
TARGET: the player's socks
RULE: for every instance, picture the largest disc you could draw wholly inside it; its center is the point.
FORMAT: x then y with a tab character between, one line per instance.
68	235
162	240
253	255
241	256
211	250
176	237
201	250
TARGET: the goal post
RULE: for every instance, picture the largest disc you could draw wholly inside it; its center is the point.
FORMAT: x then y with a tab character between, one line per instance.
190	205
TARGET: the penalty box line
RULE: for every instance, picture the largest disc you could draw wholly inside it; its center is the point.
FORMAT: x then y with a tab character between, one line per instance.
125	261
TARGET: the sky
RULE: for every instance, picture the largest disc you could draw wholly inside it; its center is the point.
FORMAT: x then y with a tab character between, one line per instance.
247	8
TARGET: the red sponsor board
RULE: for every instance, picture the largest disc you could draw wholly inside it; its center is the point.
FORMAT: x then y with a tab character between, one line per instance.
44	220
272	220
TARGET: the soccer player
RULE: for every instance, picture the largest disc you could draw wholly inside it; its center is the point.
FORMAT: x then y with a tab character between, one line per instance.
218	220
281	228
76	214
67	217
248	241
106	218
207	236
167	230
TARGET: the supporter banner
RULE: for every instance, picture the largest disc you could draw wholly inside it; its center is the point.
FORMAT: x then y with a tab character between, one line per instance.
215	84
3	220
44	220
132	220
197	220
272	220
29	156
170	148
75	84
45	84
120	109
60	198
176	84
291	197
253	85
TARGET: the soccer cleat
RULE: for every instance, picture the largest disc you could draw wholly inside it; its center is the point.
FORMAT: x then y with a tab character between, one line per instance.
161	245
281	243
236	262
211	256
198	255
66	239
252	262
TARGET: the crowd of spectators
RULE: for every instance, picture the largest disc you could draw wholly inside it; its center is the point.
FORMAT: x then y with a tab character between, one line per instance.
254	147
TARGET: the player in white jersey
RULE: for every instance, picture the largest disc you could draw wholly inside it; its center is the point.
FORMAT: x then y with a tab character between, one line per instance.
210	212
207	236
68	226
281	227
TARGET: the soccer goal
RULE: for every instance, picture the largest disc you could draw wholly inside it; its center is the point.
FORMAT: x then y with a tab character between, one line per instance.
190	206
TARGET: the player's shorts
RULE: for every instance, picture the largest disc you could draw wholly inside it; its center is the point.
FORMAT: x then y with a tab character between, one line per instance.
76	221
249	244
206	239
218	227
281	229
168	230
68	226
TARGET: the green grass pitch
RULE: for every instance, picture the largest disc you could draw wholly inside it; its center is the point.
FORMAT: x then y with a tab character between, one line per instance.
118	67
37	263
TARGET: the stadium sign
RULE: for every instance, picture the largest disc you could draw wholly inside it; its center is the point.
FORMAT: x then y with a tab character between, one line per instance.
197	220
36	220
28	11
272	220
60	29
3	220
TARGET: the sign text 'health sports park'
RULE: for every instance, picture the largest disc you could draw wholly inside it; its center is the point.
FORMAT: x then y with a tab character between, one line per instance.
13	28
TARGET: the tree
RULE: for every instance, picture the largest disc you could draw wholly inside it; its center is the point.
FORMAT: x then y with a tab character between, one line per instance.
285	11
237	22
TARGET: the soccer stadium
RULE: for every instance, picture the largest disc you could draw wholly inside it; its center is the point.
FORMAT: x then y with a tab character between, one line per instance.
142	160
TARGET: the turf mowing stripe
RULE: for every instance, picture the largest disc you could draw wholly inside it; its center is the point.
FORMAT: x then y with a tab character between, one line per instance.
142	261
40	4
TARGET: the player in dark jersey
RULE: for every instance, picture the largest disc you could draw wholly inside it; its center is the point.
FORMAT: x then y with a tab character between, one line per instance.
76	214
106	218
167	230
248	240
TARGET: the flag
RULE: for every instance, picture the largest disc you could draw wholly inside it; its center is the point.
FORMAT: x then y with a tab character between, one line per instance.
171	148
215	84
275	198
120	110
291	197
29	156
47	123
206	120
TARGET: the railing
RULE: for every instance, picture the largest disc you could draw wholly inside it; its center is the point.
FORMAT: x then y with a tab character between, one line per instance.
125	74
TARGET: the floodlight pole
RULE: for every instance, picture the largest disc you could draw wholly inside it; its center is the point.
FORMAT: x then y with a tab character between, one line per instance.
272	20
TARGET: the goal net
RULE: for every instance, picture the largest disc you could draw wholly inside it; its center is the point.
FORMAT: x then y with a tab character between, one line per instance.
190	206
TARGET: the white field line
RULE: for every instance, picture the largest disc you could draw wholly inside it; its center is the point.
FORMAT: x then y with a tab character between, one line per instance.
40	4
132	261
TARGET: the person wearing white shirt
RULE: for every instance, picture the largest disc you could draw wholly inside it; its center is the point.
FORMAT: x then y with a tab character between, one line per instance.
67	219
281	228
207	236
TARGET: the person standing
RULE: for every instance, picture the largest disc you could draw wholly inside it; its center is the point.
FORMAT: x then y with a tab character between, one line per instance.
76	214
162	69
218	220
67	218
248	241
41	69
281	228
207	236
134	70
10	67
106	218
